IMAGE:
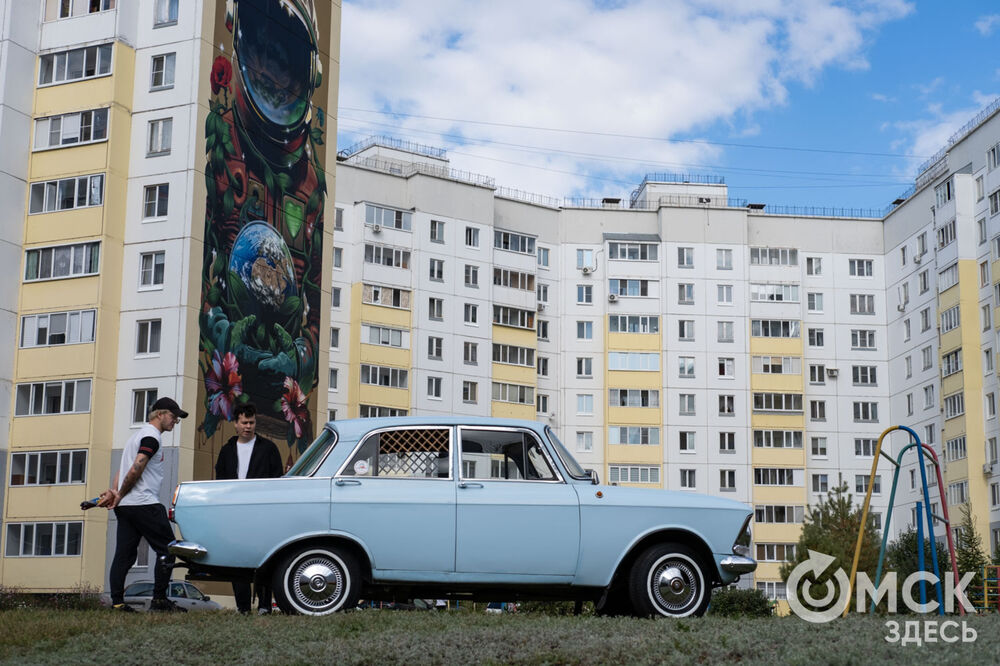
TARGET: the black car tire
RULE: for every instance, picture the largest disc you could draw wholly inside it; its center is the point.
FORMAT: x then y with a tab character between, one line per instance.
317	580
681	565
615	603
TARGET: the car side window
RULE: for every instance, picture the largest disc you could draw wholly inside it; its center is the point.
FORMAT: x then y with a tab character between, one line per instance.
193	592
413	453
177	590
499	455
139	590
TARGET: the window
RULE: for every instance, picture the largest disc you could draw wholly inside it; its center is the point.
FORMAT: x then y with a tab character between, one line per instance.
864	447
471	275
777	402
470	392
951	363
865	412
958	493
685	294
470	353
860	267
685	366
338	224
991	405
147	337
513	355
954	449
777	439
437	231
814	302
542	366
944	192
504	315
775	552
45	468
634	474
155	199
584	258
725	331
505	240
727	405
471	313
543	255
928	357
774	292
724	259
71	129
861	482
159	137
984	274
385	255
773	590
382	375
634	435
685	330
434	387
686	441
686	404
776	476
924	281
435	348
61	397
634	398
632	251
543	293
778	513
925	319
161	74
946	235
426	452
928	396
585	403
725	294
584	330
727	480
633	324
818	447
727	367
334	338
503	277
376	411
774	328
142	404
44	539
863	375
685	257
436	270
954	405
820	483
986	316
543	329
471	237
774	256
981	222
74	65
949	319
776	365
988	360
335	298
948	278
584	293
814	266
727	442
863	304
66	194
338	257
165	13
629	287
817	410
815	337
388	218
688	479
384	335
862	338
541	403
58	328
151	268
906	330
584	366
435	309
584	440
640	361
516	393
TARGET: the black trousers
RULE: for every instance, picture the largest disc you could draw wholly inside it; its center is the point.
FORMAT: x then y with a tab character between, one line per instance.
241	590
134	523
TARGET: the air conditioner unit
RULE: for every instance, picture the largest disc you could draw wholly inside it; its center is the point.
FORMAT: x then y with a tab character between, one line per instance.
541	307
376	228
704	200
917	258
832	372
988	468
587	270
901	307
612	298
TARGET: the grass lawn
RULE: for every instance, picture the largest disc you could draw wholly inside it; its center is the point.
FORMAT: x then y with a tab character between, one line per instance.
31	636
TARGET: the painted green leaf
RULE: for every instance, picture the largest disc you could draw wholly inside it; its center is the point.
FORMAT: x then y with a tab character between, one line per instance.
294	216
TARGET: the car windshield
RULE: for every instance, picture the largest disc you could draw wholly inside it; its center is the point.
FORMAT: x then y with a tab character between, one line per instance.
572	466
310	461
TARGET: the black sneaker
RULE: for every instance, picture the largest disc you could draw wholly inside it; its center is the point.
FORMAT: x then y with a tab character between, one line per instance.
123	608
165	606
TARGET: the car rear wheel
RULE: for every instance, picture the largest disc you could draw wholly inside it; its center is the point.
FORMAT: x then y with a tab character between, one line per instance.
317	580
669	579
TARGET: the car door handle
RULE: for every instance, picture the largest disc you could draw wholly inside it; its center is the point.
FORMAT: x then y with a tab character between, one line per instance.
466	484
347	482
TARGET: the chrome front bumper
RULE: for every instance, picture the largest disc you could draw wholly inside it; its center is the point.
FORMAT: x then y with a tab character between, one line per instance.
737	564
189	550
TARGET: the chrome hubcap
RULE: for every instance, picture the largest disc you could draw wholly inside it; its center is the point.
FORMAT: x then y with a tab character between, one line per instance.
317	583
675	585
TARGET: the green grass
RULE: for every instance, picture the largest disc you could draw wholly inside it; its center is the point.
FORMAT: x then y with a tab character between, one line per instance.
32	636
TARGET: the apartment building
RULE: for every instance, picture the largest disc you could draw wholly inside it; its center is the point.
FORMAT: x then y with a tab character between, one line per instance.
158	213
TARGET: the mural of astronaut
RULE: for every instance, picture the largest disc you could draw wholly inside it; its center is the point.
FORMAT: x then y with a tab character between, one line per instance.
260	315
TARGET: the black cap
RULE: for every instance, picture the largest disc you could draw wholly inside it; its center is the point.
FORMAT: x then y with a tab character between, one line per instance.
171	406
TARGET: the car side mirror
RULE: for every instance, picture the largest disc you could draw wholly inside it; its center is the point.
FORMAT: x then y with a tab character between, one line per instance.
594	479
205	597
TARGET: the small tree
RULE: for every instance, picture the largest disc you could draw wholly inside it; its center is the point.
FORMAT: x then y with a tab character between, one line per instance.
831	528
969	553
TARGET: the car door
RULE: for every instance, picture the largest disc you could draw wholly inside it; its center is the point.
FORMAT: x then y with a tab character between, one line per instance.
515	514
396	493
179	595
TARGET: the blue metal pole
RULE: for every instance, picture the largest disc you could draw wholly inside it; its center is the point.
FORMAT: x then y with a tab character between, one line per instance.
920	551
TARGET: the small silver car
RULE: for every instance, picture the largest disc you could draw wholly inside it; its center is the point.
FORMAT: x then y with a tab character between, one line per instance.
184	594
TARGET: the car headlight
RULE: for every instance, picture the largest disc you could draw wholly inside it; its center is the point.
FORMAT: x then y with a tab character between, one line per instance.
742	544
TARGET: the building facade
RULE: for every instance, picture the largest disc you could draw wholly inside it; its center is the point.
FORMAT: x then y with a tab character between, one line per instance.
118	118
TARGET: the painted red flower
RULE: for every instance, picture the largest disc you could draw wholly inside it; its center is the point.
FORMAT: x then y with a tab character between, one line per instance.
222	74
293	406
224	384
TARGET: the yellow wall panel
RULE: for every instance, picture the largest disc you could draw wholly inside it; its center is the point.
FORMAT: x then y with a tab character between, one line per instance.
56	362
763	420
63	227
634	454
513	374
635	379
510	410
383	395
45	431
382	355
70	161
633	341
381	315
777	346
634	415
776	532
780	494
777	383
778	457
505	335
29	503
74	96
60	294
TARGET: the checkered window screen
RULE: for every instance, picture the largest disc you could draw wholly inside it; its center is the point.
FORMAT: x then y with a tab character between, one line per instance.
412	453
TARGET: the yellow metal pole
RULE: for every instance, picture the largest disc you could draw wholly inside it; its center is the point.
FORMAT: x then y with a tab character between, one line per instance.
864	517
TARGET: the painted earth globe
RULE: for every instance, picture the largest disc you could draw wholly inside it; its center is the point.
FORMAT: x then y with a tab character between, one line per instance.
263	264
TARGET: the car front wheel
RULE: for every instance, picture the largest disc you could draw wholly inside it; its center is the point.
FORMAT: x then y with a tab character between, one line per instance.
669	579
317	580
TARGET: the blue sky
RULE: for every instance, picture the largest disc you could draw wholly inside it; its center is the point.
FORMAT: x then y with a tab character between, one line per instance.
799	102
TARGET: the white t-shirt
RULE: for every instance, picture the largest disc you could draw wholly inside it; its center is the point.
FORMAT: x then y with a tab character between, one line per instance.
147	489
243	453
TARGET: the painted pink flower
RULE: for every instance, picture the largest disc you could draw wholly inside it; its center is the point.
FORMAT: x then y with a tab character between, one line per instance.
293	406
224	384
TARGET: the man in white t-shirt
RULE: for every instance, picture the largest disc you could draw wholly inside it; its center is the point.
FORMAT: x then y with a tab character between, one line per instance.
135	497
249	456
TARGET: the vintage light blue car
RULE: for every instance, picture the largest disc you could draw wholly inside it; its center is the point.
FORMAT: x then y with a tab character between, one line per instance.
467	508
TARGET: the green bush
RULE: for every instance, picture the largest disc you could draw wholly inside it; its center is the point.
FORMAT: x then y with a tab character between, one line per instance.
732	602
79	598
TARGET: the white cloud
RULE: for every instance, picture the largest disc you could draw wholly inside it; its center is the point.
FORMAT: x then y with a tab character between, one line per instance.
880	97
986	24
649	68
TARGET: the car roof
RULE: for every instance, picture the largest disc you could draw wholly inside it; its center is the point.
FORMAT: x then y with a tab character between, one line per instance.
350	429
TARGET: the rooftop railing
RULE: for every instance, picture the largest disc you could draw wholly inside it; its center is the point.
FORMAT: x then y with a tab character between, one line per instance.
390	142
407	169
963	132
